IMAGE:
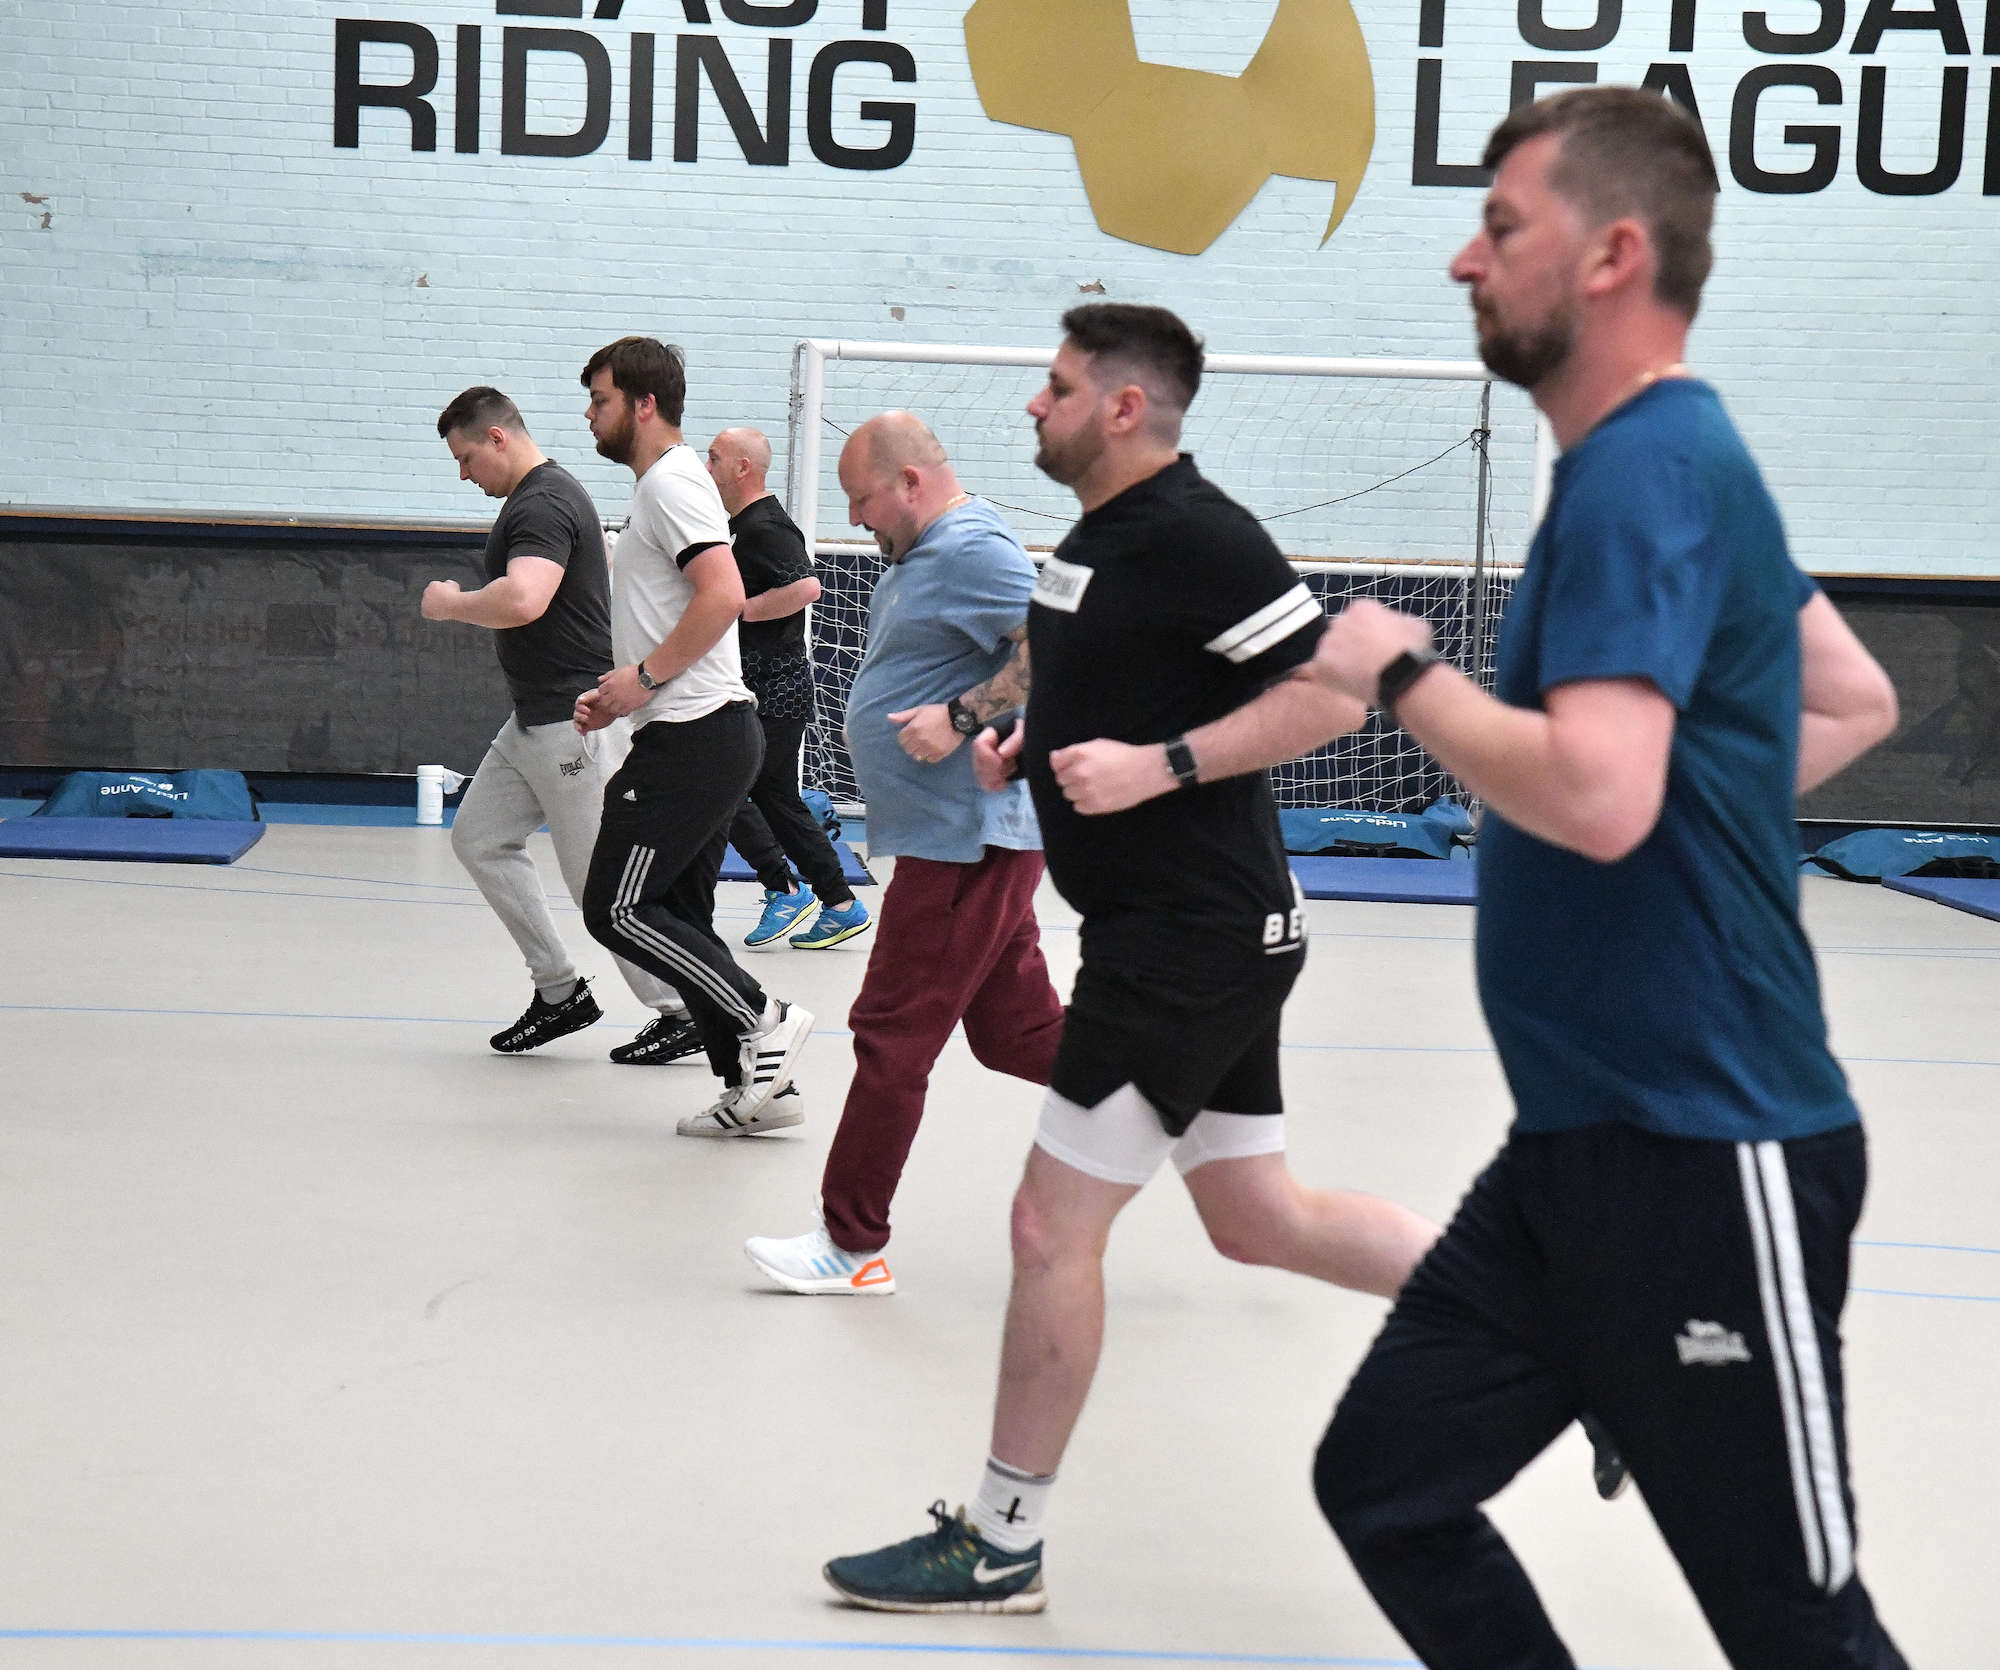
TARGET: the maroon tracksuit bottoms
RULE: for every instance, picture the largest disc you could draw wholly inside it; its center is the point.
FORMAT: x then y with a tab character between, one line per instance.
954	942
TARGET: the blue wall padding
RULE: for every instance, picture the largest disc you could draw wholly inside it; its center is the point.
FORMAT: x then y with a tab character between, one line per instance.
1408	881
138	840
856	872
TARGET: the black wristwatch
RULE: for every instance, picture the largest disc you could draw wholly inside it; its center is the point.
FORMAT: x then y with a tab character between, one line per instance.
1400	674
963	719
646	679
1181	762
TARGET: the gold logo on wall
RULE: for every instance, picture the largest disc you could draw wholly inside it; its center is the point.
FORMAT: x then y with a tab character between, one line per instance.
1170	157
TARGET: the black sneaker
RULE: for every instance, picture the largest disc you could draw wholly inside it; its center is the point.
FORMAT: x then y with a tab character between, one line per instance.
1607	1467
542	1022
666	1038
949	1569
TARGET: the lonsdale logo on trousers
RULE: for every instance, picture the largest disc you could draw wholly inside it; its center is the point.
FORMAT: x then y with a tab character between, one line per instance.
1170	156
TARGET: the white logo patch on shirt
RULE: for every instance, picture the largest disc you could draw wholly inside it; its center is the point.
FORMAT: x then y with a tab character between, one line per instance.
1061	585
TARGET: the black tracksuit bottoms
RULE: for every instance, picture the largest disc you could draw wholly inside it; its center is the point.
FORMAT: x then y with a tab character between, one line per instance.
650	895
774	824
1688	1294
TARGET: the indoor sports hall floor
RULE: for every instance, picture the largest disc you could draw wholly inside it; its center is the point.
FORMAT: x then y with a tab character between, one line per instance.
330	1339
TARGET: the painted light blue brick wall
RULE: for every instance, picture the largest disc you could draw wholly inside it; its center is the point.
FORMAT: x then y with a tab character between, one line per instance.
209	305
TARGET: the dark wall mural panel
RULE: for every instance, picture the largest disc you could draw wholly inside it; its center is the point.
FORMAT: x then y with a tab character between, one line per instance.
256	647
1941	646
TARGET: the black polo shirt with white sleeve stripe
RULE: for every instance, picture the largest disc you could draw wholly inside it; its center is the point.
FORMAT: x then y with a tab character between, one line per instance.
1163	609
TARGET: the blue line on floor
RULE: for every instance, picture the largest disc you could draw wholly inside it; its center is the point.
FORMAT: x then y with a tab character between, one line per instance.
670	1643
1905	1293
1930	1246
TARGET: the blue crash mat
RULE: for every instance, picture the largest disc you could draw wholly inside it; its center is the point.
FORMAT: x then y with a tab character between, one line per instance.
140	840
1402	881
856	872
1982	898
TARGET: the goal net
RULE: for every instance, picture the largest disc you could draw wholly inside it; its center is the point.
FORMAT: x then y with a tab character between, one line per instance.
1412	482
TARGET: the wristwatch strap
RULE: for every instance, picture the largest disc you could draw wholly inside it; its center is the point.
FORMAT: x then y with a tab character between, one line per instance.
1400	674
963	720
1181	762
646	679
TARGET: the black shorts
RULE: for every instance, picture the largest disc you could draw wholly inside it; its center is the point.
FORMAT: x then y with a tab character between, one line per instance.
1189	1045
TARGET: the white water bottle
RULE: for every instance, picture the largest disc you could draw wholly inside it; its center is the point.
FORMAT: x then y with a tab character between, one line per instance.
430	794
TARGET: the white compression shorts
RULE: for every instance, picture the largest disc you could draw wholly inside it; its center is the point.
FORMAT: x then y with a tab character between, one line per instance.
1121	1139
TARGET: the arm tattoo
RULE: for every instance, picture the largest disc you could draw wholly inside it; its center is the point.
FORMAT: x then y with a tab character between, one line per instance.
1008	688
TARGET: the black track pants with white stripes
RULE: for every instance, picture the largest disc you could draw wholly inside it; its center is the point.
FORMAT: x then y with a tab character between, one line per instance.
1686	1293
650	896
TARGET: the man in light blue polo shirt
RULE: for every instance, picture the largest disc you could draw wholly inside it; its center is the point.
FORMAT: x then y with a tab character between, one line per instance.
957	939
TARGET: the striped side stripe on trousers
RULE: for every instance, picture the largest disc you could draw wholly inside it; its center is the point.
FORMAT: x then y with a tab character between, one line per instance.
1795	1354
638	863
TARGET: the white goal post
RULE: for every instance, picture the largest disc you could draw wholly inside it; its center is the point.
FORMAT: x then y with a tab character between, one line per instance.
1402	479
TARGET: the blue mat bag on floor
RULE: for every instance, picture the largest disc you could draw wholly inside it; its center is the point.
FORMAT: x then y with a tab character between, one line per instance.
1429	834
218	796
1871	854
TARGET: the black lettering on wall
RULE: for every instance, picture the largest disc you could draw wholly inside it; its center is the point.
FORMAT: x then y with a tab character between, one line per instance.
350	93
1991	186
1818	174
771	147
1757	31
1430	23
538	8
1942	18
1951	137
609	10
899	118
1425	169
1680	27
1538	33
1533	74
515	139
465	101
696	11
770	14
1992	43
639	109
875	14
1674	81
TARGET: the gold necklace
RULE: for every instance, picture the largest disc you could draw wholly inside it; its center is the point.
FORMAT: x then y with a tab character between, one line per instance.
1646	379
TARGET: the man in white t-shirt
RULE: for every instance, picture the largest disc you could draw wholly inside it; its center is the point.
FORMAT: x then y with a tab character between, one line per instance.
696	746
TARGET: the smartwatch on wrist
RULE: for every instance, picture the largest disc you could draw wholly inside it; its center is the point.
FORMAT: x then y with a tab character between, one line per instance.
646	679
1181	762
963	719
1396	678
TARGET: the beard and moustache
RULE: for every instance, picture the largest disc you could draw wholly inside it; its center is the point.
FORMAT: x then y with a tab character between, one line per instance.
1528	354
1067	461
619	444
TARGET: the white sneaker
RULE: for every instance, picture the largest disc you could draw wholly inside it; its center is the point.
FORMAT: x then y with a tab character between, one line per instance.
725	1118
811	1263
766	1063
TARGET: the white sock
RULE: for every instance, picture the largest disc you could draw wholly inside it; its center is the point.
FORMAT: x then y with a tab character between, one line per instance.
1008	1509
676	1012
768	1021
561	992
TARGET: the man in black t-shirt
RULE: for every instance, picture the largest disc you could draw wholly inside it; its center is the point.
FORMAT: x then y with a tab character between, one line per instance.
1170	645
547	603
774	824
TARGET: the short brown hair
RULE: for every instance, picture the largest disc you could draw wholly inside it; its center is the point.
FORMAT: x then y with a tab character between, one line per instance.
1628	151
642	365
1140	339
478	410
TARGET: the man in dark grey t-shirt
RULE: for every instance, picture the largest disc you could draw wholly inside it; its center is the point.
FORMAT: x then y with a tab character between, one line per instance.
547	602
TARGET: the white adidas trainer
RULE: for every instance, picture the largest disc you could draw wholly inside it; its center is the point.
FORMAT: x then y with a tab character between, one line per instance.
811	1263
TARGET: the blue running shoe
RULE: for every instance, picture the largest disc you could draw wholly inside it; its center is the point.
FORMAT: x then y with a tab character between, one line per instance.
835	927
949	1569
782	913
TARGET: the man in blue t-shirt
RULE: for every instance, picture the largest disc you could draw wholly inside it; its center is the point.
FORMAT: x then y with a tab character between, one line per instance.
1663	1239
958	941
